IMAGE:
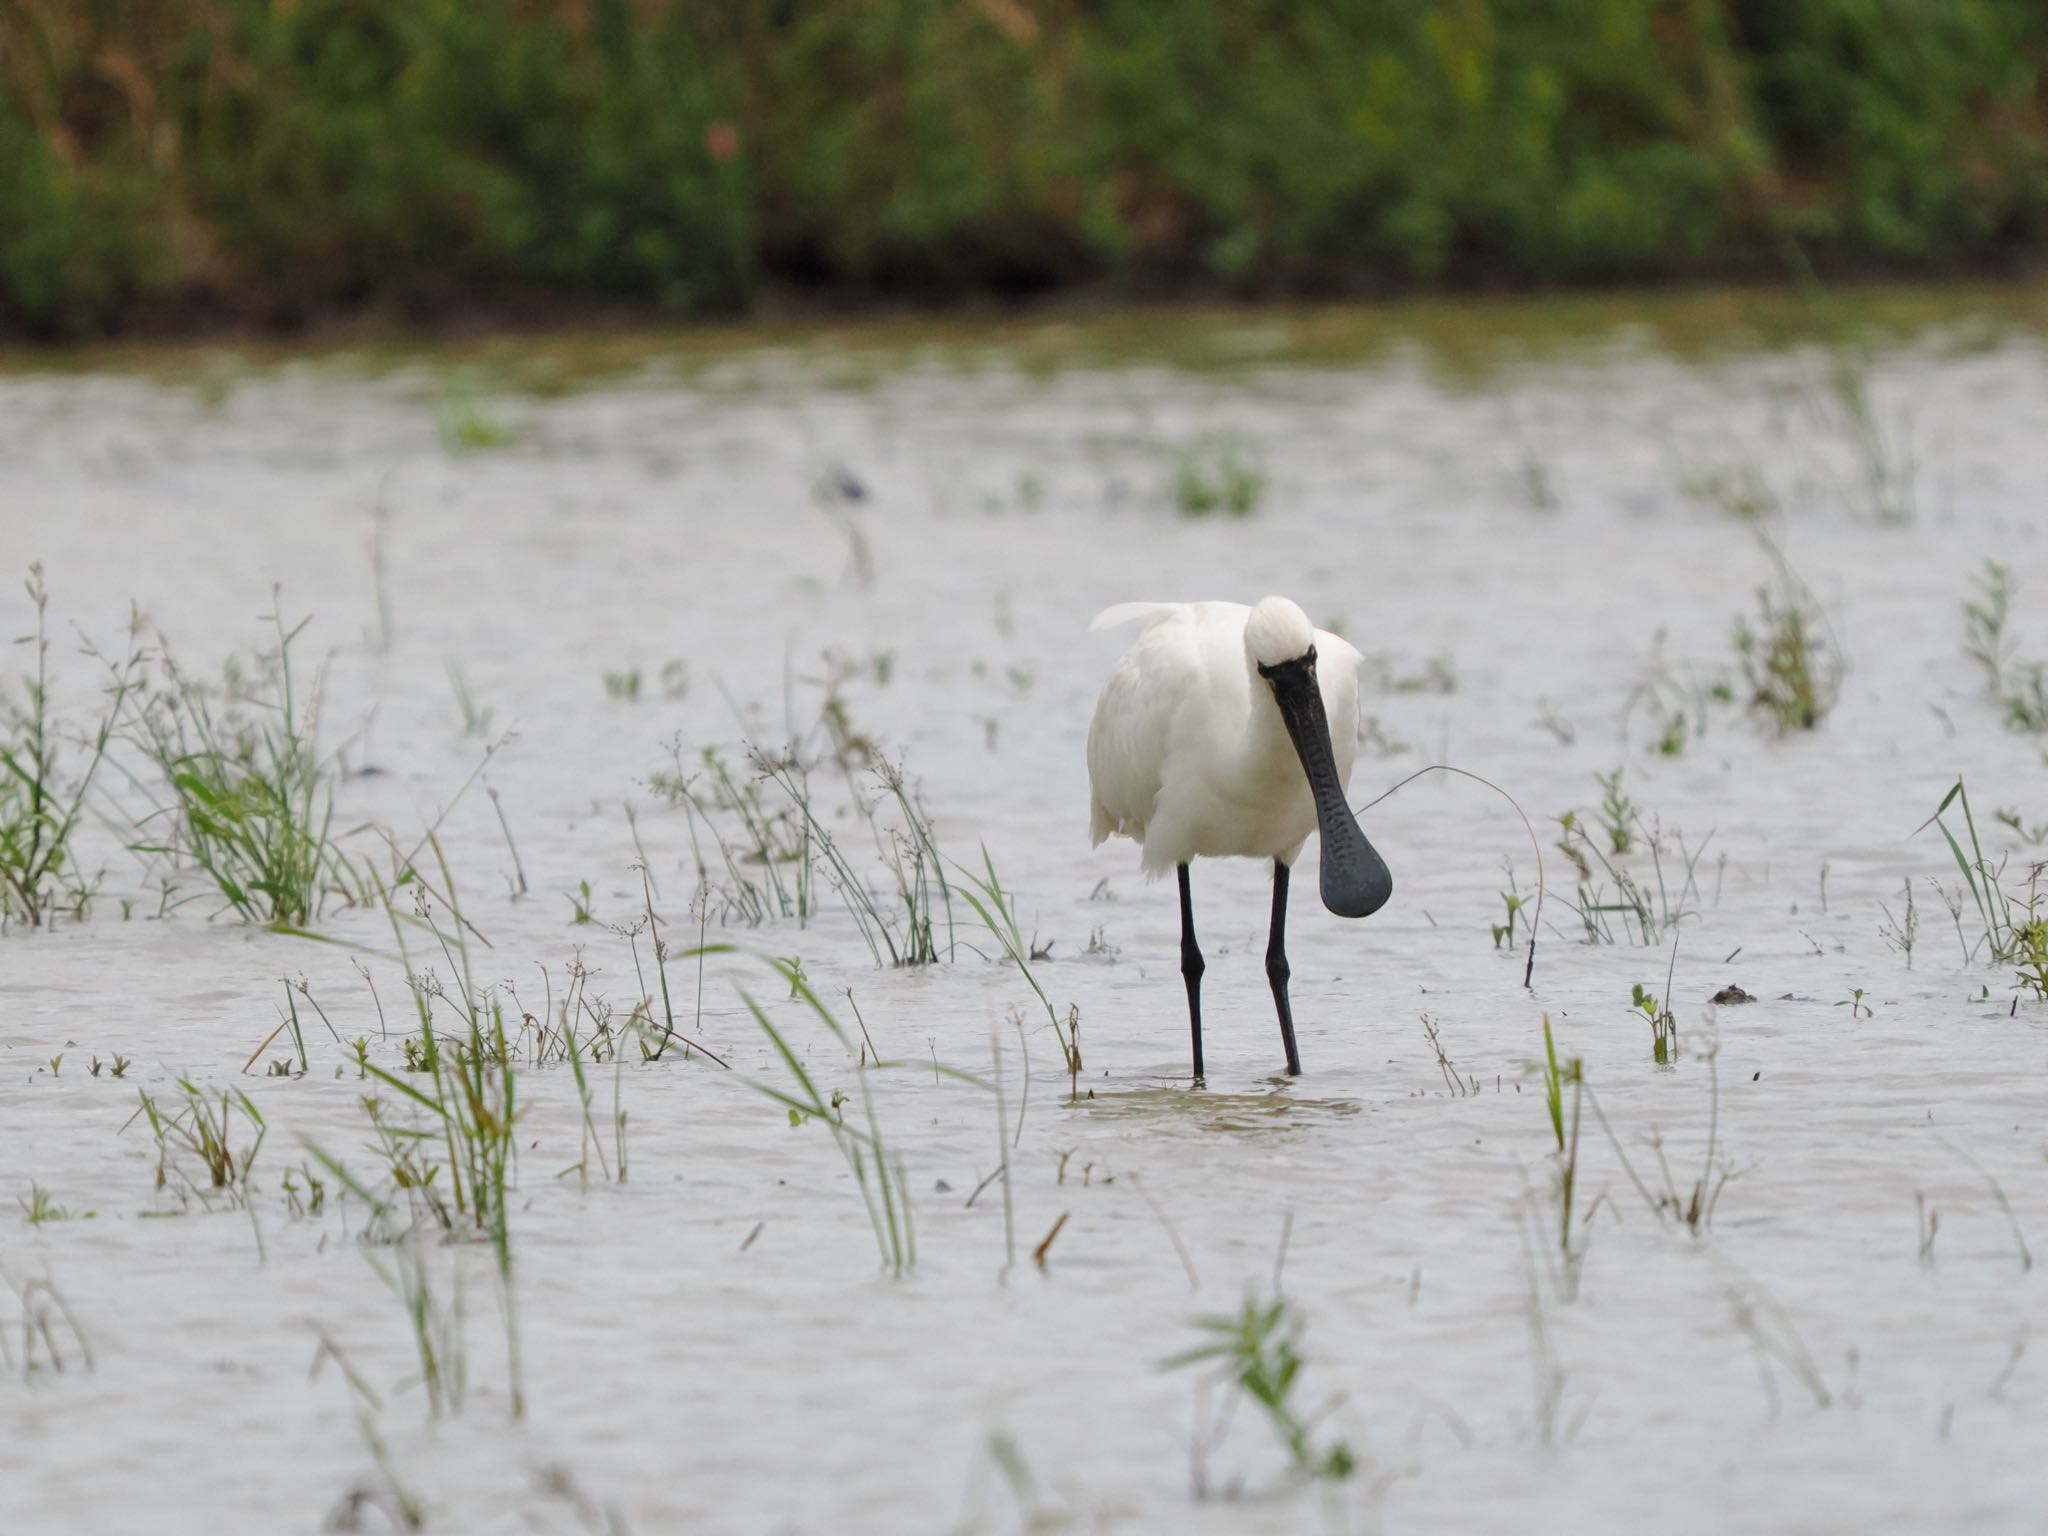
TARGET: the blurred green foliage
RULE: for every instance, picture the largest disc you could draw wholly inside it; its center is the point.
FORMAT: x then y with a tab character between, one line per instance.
274	158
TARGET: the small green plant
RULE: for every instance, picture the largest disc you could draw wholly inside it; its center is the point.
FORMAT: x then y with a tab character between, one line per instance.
1740	492
1858	1009
1790	668
877	1171
1217	473
2014	932
476	718
464	424
39	1207
1257	1351
1461	1084
991	903
1553	1082
1900	933
623	685
1557	1076
1885	456
205	1128
469	1096
580	903
43	1322
251	802
2032	833
436	1324
40	806
1619	816
1663	1025
1646	904
1504	932
1984	619
2030	963
2026	697
2020	686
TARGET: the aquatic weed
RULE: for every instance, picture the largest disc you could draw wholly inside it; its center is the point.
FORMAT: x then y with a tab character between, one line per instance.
40	806
991	903
1257	1351
2019	685
1791	671
1217	473
205	1127
877	1170
251	801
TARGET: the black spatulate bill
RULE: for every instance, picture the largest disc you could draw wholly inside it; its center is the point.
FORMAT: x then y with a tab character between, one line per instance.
1355	879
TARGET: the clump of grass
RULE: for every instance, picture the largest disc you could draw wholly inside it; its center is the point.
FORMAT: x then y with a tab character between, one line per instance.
2032	833
1614	901
898	932
877	1170
1693	1206
1217	473
471	1088
464	423
38	1206
773	854
250	800
763	850
50	1337
1741	492
2030	964
1790	667
1885	457
467	1092
2014	932
208	1130
2020	686
436	1324
40	805
1678	699
991	903
1257	1351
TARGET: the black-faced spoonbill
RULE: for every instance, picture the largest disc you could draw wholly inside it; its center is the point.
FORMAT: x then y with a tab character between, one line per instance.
1229	732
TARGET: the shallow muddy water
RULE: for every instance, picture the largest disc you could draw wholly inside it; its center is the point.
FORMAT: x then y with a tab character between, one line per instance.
1545	551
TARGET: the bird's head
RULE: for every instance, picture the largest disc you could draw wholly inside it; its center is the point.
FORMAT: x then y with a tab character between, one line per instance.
1278	632
1280	643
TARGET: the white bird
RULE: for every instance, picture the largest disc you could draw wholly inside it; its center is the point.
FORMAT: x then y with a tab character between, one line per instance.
1229	732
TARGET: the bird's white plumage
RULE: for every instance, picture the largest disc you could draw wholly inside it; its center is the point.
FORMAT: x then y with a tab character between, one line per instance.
1187	754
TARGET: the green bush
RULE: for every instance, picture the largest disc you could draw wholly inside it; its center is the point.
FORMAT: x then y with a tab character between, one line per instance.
281	158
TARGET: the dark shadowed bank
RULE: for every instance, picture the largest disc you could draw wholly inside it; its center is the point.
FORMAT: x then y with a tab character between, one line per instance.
174	163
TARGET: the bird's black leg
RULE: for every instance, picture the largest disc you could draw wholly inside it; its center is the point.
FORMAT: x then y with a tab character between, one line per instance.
1191	967
1276	967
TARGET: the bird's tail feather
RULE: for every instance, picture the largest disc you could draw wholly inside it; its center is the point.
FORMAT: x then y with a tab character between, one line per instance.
1123	613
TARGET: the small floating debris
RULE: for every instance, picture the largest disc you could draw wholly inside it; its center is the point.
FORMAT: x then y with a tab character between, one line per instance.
1732	994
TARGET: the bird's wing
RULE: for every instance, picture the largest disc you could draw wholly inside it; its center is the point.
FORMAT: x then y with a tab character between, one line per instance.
1134	719
1126	752
1123	613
